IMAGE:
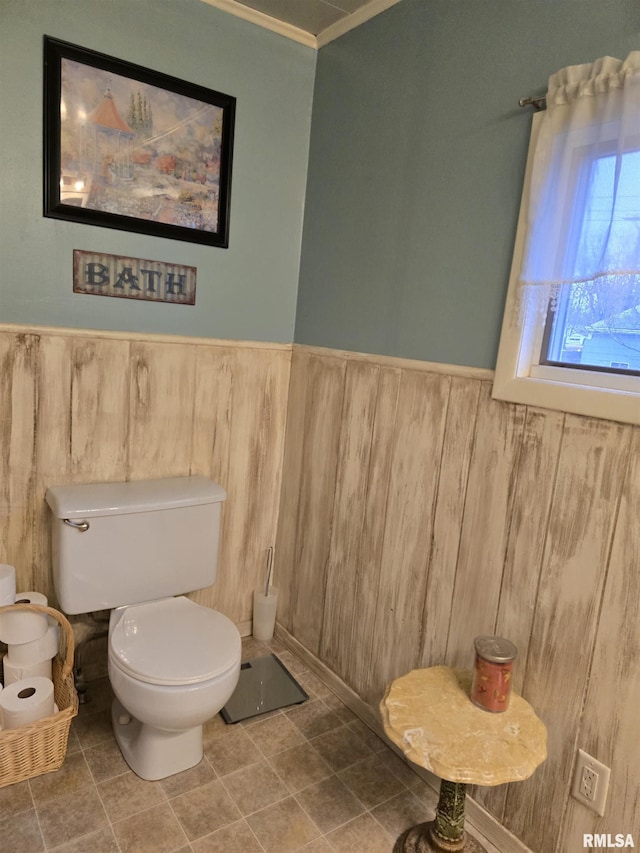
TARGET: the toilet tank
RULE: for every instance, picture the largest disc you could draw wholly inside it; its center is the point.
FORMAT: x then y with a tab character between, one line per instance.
125	543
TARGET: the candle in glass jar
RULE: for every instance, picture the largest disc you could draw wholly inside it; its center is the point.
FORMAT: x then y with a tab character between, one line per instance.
491	687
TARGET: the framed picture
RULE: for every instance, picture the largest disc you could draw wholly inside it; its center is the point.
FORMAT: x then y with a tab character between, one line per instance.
130	148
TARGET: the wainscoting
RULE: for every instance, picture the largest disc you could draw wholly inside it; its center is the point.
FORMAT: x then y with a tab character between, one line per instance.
411	512
417	513
80	406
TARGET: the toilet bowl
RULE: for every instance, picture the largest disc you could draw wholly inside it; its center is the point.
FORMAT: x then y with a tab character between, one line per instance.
173	665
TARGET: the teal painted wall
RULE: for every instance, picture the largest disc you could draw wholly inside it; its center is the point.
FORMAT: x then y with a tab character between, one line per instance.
416	164
247	291
415	168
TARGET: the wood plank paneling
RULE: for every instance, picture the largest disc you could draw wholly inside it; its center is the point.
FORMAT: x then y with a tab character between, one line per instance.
367	581
591	467
161	409
437	512
53	446
211	438
256	446
100	384
360	393
536	475
485	525
609	729
414	472
18	400
284	560
536	472
85	407
212	413
452	490
515	539
323	408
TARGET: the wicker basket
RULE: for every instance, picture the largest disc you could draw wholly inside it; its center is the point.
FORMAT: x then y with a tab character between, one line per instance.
41	747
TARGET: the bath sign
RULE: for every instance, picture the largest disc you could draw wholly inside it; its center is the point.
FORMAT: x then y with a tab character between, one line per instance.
133	278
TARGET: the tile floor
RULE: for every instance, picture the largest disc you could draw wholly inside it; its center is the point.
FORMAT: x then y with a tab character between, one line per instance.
308	778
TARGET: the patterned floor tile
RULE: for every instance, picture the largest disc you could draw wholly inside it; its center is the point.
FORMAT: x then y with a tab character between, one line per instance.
310	778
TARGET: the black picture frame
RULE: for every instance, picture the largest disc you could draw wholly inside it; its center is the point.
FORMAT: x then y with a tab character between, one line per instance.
130	148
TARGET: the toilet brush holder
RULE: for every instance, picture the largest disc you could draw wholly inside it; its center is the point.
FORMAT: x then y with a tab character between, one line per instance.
264	613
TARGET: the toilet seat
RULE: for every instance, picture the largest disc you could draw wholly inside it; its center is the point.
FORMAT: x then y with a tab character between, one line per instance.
174	641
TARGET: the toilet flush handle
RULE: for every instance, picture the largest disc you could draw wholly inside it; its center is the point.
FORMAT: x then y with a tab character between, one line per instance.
82	526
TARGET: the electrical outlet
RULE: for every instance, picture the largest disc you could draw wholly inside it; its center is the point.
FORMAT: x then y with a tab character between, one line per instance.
590	782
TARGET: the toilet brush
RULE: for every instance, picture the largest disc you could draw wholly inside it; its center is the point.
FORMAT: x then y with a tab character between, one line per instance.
269	567
264	605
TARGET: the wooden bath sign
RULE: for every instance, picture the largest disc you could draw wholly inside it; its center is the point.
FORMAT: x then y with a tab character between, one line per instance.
101	274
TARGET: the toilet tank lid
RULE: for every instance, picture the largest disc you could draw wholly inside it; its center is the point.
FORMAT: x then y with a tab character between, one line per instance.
98	499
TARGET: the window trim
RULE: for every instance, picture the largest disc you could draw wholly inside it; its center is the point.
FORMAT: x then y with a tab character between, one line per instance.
519	378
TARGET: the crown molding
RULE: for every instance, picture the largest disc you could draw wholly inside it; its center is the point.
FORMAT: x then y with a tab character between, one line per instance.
265	21
344	25
360	16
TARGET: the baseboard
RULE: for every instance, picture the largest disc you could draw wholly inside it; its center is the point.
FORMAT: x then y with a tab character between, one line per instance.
484	825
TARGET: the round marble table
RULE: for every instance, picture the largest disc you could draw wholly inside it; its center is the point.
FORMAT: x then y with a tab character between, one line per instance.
429	715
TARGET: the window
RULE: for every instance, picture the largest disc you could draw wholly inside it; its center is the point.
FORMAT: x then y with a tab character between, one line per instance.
571	332
596	321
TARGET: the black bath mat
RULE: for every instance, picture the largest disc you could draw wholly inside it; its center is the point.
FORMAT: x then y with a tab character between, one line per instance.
265	684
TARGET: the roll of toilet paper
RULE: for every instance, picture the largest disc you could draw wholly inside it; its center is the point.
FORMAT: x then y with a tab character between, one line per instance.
44	648
22	626
13	673
25	702
7	584
31	597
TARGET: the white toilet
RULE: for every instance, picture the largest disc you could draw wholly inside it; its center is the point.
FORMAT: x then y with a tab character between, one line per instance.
173	664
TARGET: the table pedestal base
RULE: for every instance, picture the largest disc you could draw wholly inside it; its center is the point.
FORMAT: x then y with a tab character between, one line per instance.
420	839
446	833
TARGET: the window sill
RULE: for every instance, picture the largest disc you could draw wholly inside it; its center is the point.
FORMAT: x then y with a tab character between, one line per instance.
575	391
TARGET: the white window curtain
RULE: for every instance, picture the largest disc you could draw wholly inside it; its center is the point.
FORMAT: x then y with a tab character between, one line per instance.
592	123
577	249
